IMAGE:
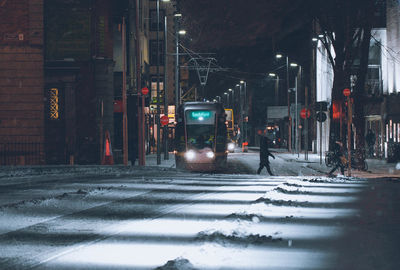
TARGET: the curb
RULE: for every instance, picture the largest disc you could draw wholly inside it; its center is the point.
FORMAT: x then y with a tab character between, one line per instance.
71	170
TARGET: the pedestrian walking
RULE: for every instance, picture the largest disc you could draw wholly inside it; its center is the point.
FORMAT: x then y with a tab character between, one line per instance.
338	158
264	156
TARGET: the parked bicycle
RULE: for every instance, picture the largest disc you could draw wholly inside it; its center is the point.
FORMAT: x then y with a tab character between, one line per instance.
358	161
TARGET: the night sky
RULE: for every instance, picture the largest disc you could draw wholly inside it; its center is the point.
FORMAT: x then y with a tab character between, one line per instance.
245	35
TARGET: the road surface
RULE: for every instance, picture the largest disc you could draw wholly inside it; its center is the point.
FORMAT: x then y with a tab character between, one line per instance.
166	219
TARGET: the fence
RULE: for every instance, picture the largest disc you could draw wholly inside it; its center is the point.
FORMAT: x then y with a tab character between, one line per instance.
21	153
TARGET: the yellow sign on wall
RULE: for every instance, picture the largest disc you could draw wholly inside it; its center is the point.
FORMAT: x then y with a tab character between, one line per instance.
54	104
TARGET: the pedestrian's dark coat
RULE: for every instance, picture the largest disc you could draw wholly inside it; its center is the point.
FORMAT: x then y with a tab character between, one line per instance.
264	155
264	151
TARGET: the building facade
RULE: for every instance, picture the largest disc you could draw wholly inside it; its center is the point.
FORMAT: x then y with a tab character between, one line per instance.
62	72
22	129
381	96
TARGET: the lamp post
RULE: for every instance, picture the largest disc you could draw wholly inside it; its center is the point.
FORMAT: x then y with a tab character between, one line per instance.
124	101
227	99
276	87
178	32
165	128
244	111
230	90
288	102
297	137
158	84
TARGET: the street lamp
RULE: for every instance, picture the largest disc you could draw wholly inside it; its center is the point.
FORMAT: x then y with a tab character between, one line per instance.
243	111
227	99
279	56
178	32
233	97
273	75
296	115
158	84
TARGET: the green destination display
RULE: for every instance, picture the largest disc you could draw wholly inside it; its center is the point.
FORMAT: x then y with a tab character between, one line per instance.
200	117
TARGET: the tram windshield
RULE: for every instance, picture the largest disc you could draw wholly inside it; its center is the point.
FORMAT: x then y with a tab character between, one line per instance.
200	128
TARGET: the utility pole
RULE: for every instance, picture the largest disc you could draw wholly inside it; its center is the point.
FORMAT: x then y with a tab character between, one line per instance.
296	118
124	117
177	86
288	102
277	90
241	116
141	125
165	131
245	112
158	86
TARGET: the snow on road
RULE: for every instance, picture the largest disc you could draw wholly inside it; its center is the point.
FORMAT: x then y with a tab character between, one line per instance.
202	221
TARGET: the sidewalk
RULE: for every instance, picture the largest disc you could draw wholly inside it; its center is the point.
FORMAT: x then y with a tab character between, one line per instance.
151	160
376	167
64	171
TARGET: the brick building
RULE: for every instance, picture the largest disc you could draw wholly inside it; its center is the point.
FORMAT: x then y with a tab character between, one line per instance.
22	129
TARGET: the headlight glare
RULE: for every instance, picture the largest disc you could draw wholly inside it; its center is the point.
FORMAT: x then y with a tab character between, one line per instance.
210	154
190	155
231	146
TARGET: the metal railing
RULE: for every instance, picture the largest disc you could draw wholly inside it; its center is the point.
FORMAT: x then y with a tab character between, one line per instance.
21	153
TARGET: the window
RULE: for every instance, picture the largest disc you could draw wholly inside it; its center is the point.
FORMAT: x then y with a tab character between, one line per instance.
154	88
153	52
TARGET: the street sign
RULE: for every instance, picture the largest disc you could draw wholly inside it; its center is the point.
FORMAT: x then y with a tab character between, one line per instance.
321	106
305	113
145	91
164	120
346	92
321	117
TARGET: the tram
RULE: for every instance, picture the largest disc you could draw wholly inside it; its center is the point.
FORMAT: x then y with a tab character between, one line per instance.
201	136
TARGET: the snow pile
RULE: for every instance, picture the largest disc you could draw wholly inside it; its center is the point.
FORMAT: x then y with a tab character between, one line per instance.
177	264
237	232
236	238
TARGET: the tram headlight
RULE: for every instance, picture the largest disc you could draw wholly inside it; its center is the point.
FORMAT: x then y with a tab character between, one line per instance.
231	146
190	155
210	154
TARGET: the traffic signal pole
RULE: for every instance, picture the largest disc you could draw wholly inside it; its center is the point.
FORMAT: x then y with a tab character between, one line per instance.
349	121
141	96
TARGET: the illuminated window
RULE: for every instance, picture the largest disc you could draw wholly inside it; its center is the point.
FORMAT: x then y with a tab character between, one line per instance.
54	104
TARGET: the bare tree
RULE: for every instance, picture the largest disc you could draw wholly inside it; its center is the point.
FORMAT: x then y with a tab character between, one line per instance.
346	26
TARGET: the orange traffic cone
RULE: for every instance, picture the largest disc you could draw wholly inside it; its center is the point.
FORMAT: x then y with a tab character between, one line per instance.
108	158
245	146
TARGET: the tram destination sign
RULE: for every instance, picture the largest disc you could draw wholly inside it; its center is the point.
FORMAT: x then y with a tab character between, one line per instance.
200	117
